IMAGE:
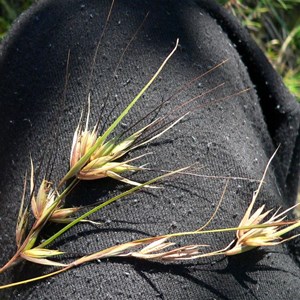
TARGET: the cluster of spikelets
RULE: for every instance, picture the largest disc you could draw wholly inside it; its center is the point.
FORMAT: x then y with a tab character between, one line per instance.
102	163
95	156
101	157
92	157
255	230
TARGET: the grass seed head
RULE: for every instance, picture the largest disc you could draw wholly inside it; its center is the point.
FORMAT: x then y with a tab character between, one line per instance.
102	161
272	229
21	227
40	255
47	205
96	152
83	140
42	202
247	239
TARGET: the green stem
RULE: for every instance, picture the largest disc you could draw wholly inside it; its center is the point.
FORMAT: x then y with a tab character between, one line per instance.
219	230
102	205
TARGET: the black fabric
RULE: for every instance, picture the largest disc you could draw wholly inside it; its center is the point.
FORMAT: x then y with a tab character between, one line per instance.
234	137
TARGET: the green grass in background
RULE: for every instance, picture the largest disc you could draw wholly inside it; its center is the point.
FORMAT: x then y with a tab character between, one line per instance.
9	10
275	26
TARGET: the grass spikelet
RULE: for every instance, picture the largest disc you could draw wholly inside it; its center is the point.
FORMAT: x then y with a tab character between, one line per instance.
39	256
270	235
153	251
92	156
22	222
250	238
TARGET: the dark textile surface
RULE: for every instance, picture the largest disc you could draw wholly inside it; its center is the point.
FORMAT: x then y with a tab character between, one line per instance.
233	137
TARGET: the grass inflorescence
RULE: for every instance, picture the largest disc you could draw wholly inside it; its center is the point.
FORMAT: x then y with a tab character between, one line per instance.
275	27
94	156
